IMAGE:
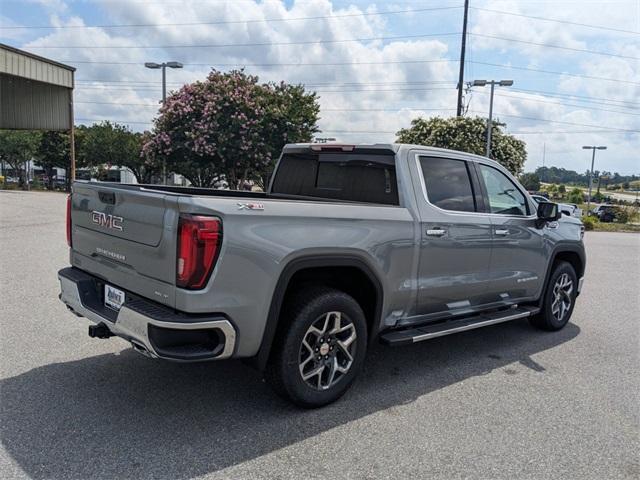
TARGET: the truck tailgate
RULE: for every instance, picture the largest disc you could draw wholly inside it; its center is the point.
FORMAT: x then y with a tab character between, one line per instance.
127	236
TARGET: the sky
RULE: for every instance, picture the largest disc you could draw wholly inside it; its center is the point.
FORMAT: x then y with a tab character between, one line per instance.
375	65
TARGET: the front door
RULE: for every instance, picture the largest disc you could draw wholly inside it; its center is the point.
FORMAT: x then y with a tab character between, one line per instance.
518	259
455	244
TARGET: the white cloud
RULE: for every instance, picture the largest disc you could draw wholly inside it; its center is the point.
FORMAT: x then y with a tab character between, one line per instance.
386	82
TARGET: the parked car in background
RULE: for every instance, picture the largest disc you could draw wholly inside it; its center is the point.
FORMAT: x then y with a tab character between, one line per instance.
568	209
605	213
577	211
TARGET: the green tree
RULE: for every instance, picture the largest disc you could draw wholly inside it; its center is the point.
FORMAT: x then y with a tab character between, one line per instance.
16	149
468	135
530	181
562	189
53	152
230	126
108	144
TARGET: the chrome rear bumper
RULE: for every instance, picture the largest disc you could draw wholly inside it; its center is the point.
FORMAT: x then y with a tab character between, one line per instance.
134	319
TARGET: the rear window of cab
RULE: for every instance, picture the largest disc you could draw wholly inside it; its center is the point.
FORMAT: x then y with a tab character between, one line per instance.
352	177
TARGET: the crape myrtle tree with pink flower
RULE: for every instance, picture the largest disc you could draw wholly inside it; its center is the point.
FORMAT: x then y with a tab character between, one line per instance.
230	127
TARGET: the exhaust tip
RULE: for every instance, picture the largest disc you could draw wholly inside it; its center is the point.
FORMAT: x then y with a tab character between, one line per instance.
138	347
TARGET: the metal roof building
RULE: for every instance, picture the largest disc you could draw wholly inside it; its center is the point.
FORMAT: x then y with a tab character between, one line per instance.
35	93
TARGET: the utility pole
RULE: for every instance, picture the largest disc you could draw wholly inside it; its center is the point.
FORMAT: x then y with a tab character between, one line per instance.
544	155
163	66
493	83
463	47
593	159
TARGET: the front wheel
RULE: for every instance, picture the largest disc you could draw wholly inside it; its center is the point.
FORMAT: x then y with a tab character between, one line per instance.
559	298
319	349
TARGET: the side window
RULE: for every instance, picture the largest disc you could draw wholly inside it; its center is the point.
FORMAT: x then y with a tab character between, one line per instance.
504	197
448	183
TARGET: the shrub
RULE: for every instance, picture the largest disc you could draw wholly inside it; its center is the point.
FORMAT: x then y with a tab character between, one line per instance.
575	196
589	222
626	214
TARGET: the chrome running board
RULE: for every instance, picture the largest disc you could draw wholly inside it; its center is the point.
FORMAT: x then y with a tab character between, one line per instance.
427	332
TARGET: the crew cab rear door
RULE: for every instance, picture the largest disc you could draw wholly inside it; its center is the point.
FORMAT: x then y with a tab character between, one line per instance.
455	238
518	258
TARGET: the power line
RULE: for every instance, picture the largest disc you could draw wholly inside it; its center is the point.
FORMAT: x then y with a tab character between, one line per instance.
329	41
546	120
397	109
549	45
400	108
307	83
359	132
551	72
124	104
574	96
257	44
294	82
272	64
112	120
536	100
553	132
332	64
545	19
228	22
151	88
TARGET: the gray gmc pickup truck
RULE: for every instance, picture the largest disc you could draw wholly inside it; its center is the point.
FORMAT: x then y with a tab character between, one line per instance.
350	244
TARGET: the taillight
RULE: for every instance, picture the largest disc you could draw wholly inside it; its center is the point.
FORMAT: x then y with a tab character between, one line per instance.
199	240
69	220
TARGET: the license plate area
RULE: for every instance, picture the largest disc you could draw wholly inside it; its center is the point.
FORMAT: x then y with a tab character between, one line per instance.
113	297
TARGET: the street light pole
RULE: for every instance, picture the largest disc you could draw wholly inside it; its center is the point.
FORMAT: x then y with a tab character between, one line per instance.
164	83
493	83
593	148
163	66
490	121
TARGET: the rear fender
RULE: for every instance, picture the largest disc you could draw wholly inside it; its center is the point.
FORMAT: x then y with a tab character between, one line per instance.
296	265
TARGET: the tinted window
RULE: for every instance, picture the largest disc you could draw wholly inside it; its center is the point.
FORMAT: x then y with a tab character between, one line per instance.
448	183
341	176
504	196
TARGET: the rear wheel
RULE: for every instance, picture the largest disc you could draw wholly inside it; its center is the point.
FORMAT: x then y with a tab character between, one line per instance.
559	298
319	349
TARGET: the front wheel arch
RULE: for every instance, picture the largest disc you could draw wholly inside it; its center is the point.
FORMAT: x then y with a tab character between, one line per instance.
570	253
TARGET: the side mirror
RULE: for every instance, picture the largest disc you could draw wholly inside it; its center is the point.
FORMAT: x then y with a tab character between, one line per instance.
548	212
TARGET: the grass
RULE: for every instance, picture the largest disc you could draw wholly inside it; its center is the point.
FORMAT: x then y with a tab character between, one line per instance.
616	227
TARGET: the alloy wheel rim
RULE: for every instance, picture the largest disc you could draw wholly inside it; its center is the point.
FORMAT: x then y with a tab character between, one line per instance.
562	290
327	351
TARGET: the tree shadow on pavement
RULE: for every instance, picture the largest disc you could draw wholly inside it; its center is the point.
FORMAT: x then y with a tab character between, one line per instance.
123	415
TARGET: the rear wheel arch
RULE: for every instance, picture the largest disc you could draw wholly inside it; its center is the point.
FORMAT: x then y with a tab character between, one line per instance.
346	273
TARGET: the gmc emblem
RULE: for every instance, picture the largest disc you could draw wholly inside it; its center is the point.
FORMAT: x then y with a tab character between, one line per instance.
106	220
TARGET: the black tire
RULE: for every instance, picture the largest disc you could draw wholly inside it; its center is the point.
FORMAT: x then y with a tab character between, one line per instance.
308	310
557	290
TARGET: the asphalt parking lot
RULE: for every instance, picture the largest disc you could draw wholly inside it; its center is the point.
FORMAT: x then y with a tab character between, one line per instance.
502	402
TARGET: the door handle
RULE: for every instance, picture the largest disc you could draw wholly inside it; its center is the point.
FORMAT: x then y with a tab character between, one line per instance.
502	232
436	232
